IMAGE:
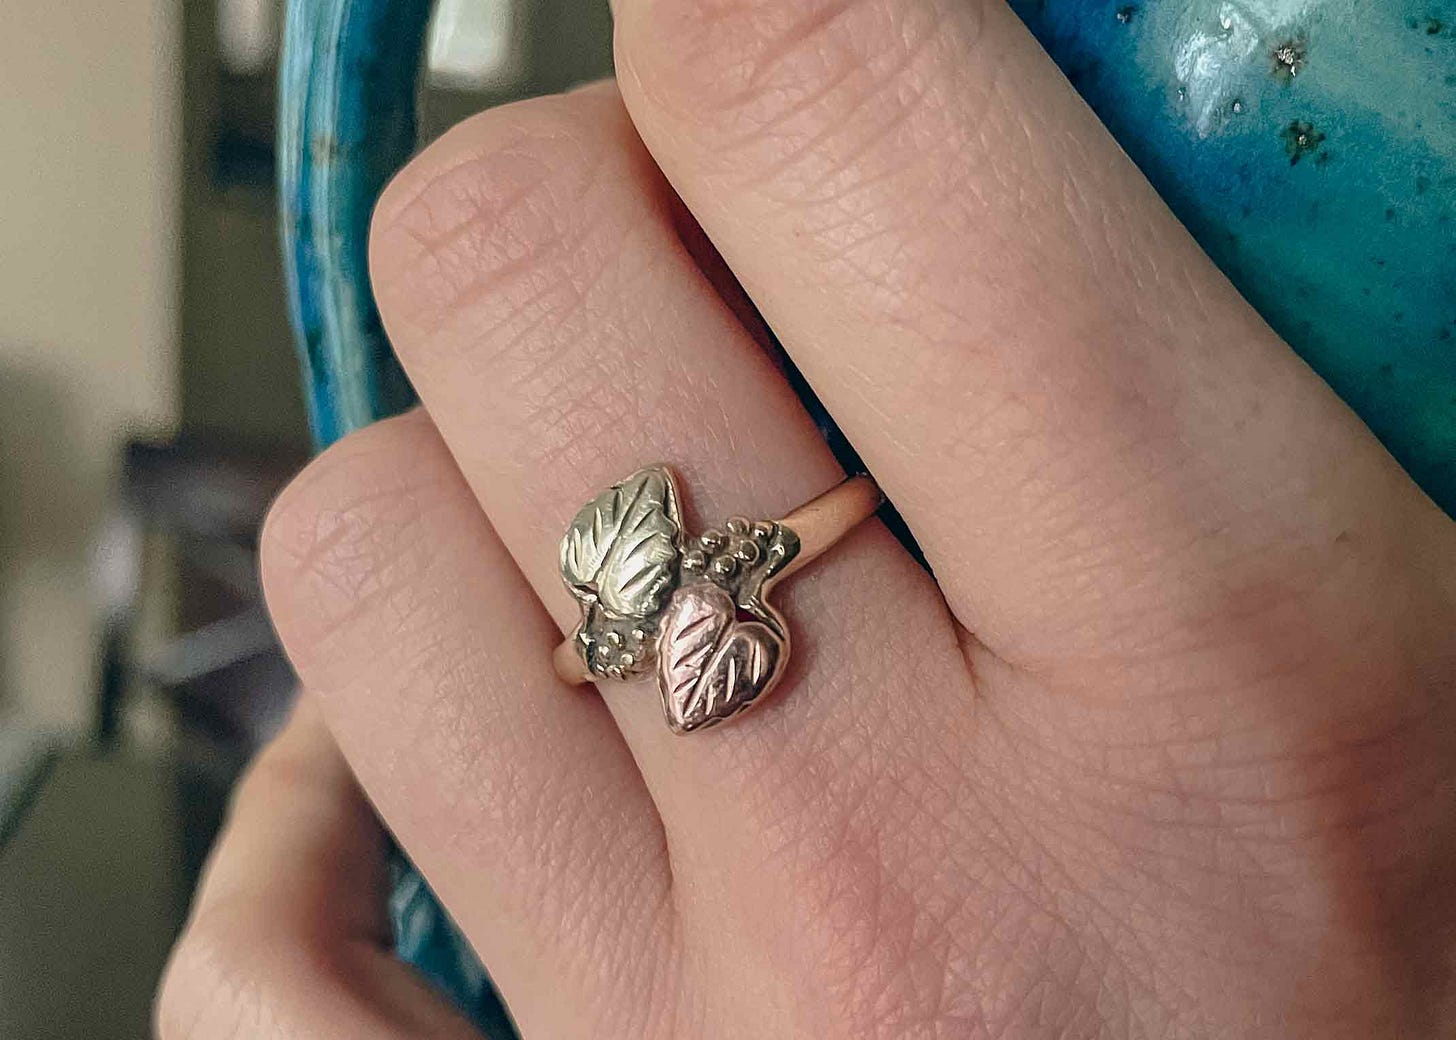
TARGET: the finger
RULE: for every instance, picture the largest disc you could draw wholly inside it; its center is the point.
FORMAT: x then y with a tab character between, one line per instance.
533	286
288	936
1090	433
429	655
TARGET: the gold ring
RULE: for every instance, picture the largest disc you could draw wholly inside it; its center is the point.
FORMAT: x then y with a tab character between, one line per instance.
697	615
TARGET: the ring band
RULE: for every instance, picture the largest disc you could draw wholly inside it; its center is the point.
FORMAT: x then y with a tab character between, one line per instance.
698	615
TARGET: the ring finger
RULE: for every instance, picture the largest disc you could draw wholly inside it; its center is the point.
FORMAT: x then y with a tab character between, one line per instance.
561	336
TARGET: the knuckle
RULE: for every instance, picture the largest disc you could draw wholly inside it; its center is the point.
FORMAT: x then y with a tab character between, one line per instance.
336	540
869	127
521	257
729	54
783	78
501	221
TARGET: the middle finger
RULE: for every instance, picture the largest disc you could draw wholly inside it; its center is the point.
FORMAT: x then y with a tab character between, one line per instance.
1091	434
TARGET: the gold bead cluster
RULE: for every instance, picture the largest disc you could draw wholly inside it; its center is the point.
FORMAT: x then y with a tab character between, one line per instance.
721	552
616	655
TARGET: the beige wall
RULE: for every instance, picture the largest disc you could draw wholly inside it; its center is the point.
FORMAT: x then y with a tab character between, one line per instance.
88	190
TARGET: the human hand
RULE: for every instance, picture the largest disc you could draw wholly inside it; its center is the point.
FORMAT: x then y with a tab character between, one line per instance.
1161	750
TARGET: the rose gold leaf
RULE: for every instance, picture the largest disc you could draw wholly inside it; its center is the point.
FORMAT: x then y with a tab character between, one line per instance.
709	665
695	618
744	668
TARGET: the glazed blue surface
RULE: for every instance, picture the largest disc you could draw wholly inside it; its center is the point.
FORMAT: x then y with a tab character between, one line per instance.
346	123
425	936
1310	146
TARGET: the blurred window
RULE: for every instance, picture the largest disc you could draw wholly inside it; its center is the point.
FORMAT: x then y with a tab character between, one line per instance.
247	35
472	43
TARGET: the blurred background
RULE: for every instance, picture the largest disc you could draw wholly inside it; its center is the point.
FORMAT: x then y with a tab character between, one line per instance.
149	409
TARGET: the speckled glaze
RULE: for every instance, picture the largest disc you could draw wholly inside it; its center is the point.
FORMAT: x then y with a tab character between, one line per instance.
1310	146
346	123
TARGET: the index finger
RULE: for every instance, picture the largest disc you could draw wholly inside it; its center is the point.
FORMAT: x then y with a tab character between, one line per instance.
288	935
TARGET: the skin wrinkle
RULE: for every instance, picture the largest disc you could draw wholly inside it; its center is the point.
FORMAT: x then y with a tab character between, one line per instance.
1071	572
549	302
579	901
853	30
329	577
551	394
1299	767
1045	870
785	45
800	165
496	179
1189	625
488	782
423	221
1073	465
397	201
1151	980
782	118
487	283
548	395
872	928
1092	785
900	293
1201	747
958	974
466	285
833	857
512	178
479	776
843	676
529	224
576	915
1033	750
233	1005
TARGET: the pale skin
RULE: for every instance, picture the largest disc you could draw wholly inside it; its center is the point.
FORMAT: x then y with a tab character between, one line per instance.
1163	747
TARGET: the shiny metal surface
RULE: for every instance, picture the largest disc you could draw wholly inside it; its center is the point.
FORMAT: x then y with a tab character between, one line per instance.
693	611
